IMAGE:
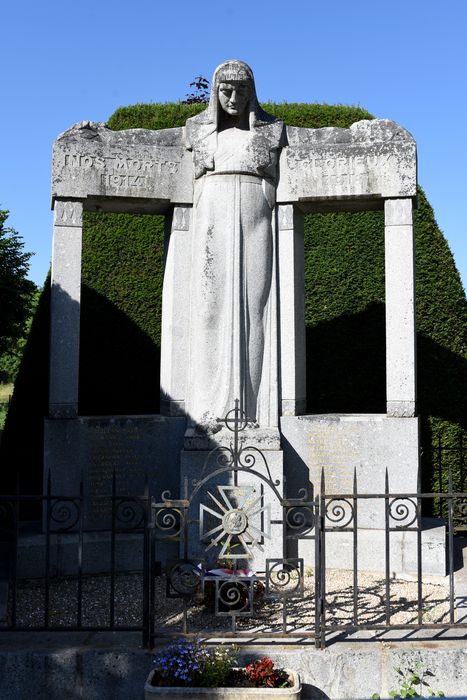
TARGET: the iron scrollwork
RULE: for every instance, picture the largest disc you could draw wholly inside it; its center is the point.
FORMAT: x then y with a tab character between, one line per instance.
300	518
403	511
168	518
64	514
284	578
234	596
339	513
129	514
183	578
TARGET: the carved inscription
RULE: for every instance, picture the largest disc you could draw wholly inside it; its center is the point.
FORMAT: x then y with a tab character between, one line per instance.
348	175
117	171
92	161
337	455
385	169
113	448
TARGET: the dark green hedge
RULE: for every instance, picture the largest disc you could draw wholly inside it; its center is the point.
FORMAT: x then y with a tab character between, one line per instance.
168	115
122	271
121	295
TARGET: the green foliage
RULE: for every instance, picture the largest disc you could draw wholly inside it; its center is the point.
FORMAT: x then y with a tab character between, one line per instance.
170	114
442	351
344	312
316	116
262	674
16	290
11	359
412	681
200	91
5	393
122	270
344	264
219	665
345	318
153	116
193	663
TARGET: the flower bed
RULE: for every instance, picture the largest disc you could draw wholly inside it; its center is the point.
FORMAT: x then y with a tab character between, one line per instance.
192	669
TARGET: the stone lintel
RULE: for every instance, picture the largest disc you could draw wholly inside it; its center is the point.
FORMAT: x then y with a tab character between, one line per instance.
371	159
91	161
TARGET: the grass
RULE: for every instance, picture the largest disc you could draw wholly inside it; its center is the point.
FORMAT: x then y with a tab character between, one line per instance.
6	391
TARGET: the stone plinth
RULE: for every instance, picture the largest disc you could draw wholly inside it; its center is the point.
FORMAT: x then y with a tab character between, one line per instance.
96	447
371	551
369	443
339	443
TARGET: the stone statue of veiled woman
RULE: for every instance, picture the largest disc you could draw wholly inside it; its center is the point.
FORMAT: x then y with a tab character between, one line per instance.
233	325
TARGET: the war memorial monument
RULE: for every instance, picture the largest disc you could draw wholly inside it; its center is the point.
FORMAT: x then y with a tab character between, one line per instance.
234	184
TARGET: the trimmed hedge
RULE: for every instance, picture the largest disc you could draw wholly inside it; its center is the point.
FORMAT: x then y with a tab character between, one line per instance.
121	304
122	271
169	115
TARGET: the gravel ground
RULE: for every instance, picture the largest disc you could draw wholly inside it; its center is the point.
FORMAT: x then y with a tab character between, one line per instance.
63	595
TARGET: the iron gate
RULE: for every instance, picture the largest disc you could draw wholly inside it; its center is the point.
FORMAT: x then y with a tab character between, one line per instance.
222	527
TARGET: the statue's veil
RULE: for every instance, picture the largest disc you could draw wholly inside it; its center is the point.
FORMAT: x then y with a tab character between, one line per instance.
230	72
200	128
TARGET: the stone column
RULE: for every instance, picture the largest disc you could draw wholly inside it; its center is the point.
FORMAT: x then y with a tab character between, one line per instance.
175	312
65	309
400	308
291	310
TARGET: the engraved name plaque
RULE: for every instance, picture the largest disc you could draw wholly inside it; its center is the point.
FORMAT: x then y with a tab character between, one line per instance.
93	163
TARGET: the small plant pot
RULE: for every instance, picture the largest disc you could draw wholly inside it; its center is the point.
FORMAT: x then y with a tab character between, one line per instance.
152	692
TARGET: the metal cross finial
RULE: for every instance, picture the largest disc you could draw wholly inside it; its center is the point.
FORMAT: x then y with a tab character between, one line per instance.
239	419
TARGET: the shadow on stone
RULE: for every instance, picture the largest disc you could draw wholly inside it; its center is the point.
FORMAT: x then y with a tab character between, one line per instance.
346	363
119	363
311	692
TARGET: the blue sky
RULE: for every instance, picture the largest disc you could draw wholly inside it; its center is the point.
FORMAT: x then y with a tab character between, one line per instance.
61	62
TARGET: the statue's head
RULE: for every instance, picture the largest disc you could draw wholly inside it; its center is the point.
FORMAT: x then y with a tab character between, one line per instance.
233	91
233	94
234	84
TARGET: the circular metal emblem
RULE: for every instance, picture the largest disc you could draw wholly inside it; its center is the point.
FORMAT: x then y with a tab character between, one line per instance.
235	522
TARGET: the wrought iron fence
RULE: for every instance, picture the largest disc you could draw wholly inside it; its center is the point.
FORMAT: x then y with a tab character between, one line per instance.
373	605
449	471
61	577
234	556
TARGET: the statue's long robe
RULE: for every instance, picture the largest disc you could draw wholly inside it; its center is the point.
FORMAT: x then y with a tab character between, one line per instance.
233	287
